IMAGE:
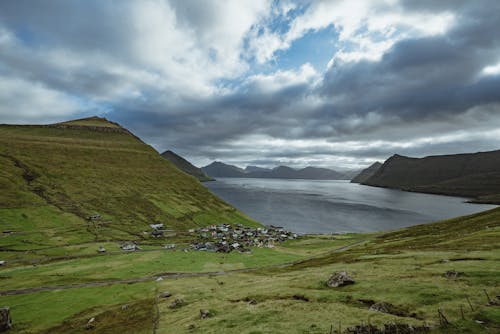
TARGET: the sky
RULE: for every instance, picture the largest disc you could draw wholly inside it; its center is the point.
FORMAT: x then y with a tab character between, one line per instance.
336	84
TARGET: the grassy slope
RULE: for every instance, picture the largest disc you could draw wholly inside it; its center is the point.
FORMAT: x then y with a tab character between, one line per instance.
52	178
405	268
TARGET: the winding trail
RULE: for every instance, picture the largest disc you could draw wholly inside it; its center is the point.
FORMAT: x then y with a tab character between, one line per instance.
170	275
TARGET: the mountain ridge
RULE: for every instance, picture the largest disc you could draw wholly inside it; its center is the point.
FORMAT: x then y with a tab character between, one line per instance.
220	169
185	166
474	175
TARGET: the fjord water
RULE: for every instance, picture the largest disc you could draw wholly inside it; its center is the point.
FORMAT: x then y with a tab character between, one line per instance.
328	206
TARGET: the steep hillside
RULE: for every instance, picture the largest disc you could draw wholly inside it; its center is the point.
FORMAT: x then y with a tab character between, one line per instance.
186	166
366	173
55	176
470	175
219	169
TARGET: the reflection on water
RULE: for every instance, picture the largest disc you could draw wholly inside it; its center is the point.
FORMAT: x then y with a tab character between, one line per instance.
317	206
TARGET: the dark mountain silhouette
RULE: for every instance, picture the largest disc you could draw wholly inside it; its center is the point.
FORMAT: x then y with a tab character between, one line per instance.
219	169
474	175
250	169
366	173
186	166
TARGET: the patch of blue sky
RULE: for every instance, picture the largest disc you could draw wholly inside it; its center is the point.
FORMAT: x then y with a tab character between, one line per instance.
281	23
26	36
315	47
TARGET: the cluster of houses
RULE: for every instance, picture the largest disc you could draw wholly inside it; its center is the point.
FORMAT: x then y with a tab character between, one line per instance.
226	238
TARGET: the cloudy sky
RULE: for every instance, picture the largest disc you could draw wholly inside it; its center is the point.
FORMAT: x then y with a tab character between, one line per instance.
328	83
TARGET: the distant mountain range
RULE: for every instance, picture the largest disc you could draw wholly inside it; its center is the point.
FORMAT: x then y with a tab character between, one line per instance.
219	169
475	175
186	166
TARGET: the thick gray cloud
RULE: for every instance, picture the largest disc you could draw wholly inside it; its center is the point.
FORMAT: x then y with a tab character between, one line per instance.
183	77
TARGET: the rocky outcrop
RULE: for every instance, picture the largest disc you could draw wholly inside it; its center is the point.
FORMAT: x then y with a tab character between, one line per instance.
339	279
5	320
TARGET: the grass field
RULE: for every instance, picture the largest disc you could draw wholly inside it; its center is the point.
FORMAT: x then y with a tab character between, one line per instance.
55	281
405	268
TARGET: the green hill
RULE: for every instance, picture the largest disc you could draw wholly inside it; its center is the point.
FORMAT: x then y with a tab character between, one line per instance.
474	175
55	176
186	166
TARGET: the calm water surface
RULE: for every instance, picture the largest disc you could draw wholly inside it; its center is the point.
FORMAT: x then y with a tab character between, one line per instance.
312	206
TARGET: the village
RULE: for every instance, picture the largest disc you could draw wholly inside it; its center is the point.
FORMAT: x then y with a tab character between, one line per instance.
226	238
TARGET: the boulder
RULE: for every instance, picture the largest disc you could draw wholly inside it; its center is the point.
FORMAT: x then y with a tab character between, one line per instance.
380	307
204	314
176	303
90	324
165	294
339	279
5	320
452	274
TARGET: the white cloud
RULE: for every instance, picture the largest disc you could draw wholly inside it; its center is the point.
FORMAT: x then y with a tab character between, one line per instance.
269	83
26	101
370	28
491	70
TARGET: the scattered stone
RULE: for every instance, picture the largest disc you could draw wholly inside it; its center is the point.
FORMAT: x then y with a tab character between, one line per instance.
157	233
495	301
176	303
380	307
2	263
300	297
387	329
452	274
94	217
90	324
363	329
339	279
130	246
157	226
252	302
169	246
404	329
159	279
5	320
225	238
124	307
101	250
204	314
165	294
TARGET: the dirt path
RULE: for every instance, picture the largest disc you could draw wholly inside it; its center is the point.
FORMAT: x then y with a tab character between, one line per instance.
162	276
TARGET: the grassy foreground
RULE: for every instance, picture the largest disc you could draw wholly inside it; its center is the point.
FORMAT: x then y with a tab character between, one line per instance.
404	268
